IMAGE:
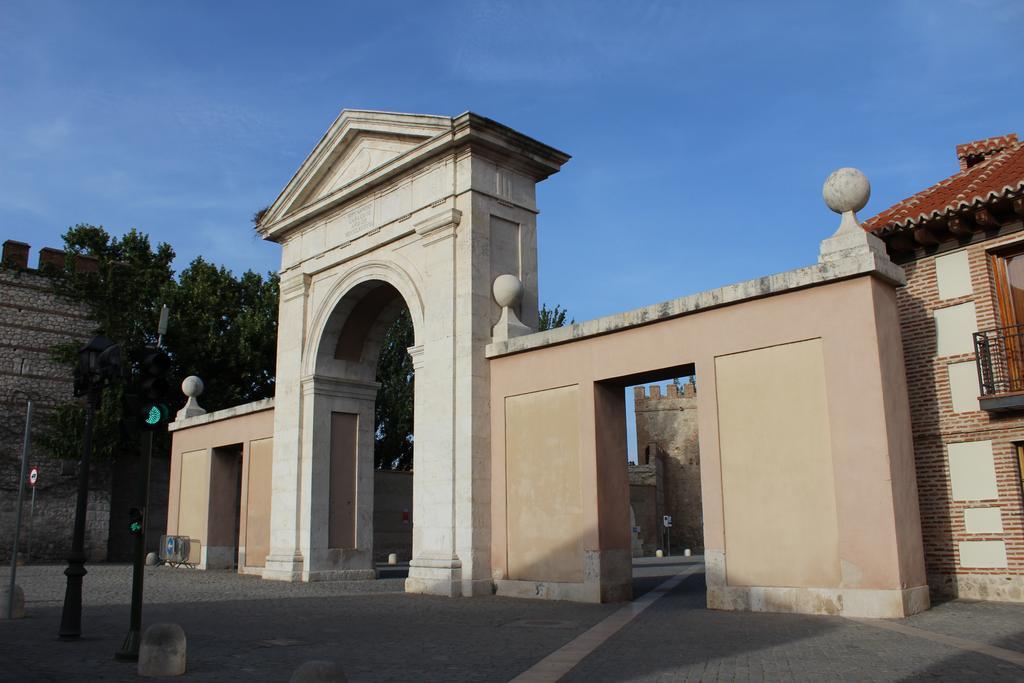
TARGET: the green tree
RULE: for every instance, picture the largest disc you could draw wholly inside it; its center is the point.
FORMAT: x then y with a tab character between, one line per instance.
123	298
681	382
550	318
222	328
393	412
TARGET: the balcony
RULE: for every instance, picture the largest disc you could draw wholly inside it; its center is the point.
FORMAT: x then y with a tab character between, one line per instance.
1000	358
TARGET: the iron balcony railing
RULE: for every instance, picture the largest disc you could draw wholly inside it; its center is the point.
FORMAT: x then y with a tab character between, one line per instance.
1000	358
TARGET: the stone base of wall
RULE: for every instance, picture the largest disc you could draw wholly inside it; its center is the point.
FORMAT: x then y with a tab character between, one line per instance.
998	587
873	603
548	590
846	602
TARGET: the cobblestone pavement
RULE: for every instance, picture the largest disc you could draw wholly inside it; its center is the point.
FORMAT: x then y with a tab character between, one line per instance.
242	628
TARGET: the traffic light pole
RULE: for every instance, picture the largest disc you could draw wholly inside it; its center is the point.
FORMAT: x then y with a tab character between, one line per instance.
129	651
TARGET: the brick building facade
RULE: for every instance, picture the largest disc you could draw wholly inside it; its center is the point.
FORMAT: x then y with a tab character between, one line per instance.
33	319
955	241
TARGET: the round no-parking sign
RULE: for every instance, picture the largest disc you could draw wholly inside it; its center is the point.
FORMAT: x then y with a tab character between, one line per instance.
33	477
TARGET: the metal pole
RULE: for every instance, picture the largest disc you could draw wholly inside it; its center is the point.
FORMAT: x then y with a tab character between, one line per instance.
17	516
129	651
71	617
31	521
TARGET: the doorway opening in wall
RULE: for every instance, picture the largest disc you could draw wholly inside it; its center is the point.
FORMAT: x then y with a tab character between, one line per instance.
663	461
222	534
393	451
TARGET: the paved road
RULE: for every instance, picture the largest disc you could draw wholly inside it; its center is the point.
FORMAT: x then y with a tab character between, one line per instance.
242	628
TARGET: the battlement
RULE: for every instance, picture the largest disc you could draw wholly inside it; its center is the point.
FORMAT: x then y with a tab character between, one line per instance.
16	255
671	392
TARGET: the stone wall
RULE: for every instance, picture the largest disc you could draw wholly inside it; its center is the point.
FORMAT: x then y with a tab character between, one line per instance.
33	319
647	501
392	515
666	431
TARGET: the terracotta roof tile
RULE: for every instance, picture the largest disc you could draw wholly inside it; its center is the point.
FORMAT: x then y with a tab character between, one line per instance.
992	169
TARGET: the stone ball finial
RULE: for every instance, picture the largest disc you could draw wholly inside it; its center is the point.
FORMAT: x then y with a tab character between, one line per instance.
508	290
846	190
192	386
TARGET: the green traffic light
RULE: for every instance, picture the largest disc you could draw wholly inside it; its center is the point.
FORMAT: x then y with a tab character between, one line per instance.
135	527
154	416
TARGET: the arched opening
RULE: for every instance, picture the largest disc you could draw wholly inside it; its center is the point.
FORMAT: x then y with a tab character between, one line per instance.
360	400
393	450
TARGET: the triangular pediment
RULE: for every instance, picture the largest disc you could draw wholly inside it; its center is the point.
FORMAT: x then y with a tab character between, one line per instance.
357	143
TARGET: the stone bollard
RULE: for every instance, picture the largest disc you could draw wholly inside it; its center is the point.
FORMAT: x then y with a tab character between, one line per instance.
162	651
687	553
318	671
393	558
659	553
19	602
152	560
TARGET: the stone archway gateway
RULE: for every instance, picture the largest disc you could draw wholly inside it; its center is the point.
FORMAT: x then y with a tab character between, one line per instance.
428	210
808	490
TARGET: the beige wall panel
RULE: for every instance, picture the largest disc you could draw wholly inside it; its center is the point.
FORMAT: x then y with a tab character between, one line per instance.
545	515
342	516
953	275
194	498
777	475
982	554
954	327
972	470
963	386
257	513
983	520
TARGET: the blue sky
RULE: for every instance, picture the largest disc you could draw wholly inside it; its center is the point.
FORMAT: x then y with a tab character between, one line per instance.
701	132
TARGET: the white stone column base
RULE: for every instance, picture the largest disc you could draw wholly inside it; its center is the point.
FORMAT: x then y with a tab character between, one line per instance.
283	567
845	602
340	575
435	576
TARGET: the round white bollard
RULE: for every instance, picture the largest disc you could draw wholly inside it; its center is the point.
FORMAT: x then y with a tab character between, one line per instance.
659	553
19	602
162	651
393	558
687	553
151	560
318	671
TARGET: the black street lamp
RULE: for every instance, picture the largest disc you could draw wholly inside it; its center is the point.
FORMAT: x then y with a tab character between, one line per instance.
99	361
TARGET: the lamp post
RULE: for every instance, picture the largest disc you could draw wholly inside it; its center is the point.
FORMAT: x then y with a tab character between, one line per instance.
98	362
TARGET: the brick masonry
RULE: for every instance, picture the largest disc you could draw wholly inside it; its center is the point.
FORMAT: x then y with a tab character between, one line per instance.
33	319
936	425
669	467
